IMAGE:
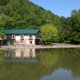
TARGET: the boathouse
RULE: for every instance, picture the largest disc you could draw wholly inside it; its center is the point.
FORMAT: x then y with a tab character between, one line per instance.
21	36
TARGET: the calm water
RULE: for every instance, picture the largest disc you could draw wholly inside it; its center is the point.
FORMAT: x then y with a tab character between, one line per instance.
46	64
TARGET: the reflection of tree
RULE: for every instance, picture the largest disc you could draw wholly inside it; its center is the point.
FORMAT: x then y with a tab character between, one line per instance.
70	59
23	71
48	58
75	60
1	56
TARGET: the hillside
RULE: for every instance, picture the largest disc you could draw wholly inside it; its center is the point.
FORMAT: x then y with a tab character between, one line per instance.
24	14
21	14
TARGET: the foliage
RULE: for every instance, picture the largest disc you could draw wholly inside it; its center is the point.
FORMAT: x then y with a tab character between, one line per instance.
9	39
75	27
1	34
21	14
48	33
3	2
65	23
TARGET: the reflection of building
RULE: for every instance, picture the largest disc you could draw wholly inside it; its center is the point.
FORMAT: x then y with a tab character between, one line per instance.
22	36
29	53
21	53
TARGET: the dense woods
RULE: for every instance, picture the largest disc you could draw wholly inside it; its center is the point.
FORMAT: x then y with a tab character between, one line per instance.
21	14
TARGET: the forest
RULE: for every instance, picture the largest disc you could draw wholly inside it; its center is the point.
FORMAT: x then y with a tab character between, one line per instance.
21	14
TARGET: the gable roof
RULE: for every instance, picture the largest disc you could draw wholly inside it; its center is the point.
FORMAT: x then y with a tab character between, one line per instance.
20	31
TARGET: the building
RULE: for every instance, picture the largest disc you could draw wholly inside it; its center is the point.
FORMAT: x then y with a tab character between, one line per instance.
21	36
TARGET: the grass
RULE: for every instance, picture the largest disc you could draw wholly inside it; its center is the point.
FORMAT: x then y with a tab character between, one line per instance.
49	45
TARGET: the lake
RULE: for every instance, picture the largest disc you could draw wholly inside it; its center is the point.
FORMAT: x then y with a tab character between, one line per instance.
40	64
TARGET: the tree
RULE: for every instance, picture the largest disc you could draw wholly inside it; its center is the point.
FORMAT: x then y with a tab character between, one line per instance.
4	2
5	21
73	13
65	23
25	14
75	27
57	23
48	33
75	30
1	34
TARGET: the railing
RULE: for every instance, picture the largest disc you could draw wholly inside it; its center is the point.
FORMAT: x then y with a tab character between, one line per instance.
19	43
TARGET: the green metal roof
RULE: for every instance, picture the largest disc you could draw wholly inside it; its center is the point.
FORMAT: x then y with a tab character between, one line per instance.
20	31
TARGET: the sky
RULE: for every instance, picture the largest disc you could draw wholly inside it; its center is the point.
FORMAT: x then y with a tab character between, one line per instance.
59	7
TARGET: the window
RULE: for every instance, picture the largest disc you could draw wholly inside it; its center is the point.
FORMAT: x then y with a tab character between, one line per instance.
30	42
13	36
30	35
22	36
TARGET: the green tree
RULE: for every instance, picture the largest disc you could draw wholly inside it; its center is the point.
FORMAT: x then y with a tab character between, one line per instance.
75	30
75	26
48	33
4	2
65	23
25	14
57	23
74	13
1	34
5	21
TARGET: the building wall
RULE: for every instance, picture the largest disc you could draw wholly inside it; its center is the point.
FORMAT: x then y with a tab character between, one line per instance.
17	38
28	39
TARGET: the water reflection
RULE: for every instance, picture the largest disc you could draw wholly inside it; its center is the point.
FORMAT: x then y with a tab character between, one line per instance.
20	55
53	64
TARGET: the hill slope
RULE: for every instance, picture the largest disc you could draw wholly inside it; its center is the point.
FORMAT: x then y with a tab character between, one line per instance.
24	14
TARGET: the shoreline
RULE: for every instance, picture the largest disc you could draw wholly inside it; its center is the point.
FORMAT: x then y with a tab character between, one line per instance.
39	46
